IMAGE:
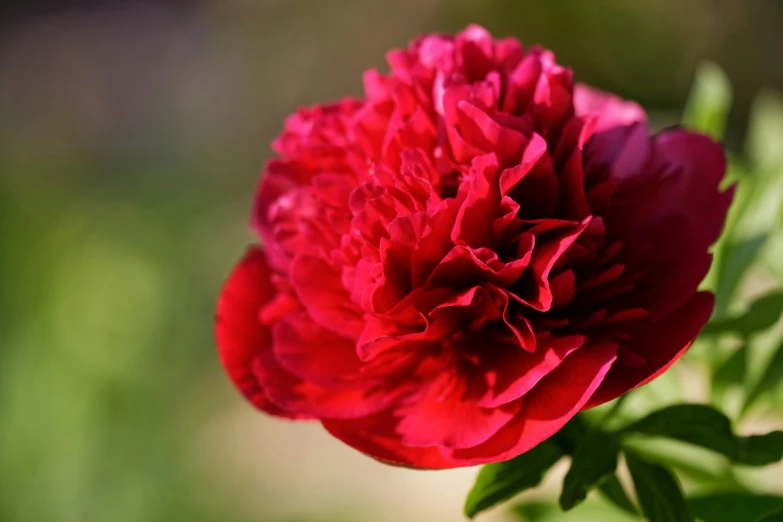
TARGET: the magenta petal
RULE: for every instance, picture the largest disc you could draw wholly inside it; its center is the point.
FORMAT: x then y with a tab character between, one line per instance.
611	110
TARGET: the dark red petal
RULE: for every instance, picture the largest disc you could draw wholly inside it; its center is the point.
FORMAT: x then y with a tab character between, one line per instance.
563	288
622	151
667	216
695	192
661	343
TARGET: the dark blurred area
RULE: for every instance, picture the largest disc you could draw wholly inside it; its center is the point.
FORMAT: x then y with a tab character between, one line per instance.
131	137
20	12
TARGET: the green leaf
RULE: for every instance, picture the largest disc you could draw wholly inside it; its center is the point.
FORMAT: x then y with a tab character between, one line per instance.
760	450
501	481
732	507
772	376
773	516
658	491
709	101
762	314
700	465
593	460
732	372
536	511
612	490
735	258
706	427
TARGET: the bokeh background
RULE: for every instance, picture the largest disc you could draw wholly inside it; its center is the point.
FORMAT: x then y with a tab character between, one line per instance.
131	137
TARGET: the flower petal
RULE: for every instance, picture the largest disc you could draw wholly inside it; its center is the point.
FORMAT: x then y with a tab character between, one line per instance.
547	407
661	343
374	436
321	292
306	398
314	353
667	216
444	415
611	110
515	372
241	338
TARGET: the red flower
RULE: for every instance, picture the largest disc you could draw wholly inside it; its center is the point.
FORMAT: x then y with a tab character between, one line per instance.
458	263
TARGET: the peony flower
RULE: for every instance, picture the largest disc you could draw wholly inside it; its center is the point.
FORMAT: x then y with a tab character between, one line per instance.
456	264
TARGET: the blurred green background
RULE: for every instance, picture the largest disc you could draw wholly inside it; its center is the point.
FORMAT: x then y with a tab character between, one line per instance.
131	137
